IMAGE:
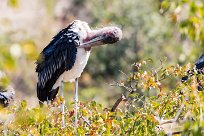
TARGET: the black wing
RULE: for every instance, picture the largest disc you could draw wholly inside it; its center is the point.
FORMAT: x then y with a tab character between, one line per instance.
200	62
199	65
6	95
57	57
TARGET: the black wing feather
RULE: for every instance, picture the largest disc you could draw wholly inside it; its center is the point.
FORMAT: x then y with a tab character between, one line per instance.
6	95
58	57
200	62
199	65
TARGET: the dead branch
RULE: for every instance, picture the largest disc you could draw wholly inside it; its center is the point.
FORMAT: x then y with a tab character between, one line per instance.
122	98
174	133
86	121
129	89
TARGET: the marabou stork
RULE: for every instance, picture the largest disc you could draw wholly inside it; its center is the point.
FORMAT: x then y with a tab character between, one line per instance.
65	57
198	69
6	92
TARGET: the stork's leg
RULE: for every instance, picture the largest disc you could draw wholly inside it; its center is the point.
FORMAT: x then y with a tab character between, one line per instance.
62	103
48	102
76	102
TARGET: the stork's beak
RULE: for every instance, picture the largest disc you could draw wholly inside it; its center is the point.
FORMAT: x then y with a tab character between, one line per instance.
106	35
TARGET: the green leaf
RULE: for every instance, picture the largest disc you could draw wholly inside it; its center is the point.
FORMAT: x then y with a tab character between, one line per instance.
23	104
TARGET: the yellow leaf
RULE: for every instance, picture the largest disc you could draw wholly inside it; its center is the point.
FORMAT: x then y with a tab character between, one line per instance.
13	3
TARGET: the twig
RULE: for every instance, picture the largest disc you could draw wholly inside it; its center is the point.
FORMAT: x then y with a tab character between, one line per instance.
173	133
121	85
165	125
166	121
122	98
123	73
178	113
175	119
86	121
171	122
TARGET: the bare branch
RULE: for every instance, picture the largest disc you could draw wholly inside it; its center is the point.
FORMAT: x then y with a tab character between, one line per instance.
178	113
86	121
121	85
123	73
122	98
171	123
174	133
166	121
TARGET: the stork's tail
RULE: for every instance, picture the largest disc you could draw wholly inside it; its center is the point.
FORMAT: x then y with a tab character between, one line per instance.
44	95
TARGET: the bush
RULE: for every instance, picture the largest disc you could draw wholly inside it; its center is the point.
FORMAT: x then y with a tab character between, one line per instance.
150	108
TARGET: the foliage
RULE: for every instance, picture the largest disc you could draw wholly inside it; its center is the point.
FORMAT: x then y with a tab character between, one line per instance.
145	32
188	15
174	30
156	101
141	114
149	32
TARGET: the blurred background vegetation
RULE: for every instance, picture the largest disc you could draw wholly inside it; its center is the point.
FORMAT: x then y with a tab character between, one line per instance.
152	29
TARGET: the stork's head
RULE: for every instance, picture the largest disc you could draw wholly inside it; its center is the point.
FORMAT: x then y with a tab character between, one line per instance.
89	37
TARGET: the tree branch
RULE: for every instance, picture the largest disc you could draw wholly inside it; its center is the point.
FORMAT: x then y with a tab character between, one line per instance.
173	133
86	121
122	98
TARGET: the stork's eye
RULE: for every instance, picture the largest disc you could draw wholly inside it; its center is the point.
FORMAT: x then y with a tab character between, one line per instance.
80	29
114	32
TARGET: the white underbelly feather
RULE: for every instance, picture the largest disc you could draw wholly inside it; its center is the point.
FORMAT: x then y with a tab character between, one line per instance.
82	57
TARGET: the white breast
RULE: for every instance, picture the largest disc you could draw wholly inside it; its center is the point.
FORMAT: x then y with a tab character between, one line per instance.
82	57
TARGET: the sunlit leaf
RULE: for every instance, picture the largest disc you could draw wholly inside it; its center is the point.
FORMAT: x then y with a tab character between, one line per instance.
13	3
30	50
